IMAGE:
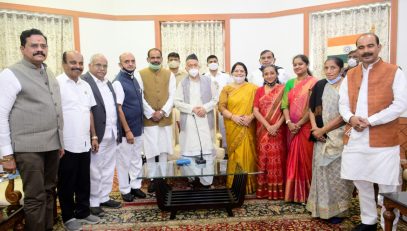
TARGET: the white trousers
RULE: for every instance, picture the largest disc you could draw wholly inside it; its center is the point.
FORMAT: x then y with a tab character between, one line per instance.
102	166
129	164
205	169
368	207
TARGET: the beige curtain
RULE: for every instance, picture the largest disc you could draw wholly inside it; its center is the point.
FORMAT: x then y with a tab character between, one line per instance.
203	38
58	29
348	21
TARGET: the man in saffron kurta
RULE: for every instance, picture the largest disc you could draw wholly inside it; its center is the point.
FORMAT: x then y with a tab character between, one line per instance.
372	97
196	97
159	89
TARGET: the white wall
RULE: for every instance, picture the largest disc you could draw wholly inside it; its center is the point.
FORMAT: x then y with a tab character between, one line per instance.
112	38
282	35
160	7
402	38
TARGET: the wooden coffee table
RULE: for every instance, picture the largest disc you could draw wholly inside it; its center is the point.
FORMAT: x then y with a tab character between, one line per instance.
174	200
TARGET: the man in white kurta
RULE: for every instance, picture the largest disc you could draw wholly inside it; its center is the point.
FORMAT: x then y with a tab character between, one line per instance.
266	59
197	117
157	105
361	162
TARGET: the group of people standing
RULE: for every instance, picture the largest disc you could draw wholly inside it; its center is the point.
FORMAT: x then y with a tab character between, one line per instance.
72	131
315	140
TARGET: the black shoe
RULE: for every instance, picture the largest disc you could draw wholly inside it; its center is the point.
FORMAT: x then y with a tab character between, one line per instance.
111	204
128	197
335	220
364	227
138	193
97	211
152	187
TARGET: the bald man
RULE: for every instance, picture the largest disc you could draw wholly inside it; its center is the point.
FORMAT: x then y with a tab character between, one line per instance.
79	139
109	135
129	91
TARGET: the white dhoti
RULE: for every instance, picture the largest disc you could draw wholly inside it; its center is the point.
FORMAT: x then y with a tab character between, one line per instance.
129	164
157	140
102	166
368	166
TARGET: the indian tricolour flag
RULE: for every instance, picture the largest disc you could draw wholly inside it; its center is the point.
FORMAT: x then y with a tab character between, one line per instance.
341	46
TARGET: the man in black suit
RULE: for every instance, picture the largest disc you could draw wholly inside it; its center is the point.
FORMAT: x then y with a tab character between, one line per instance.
108	131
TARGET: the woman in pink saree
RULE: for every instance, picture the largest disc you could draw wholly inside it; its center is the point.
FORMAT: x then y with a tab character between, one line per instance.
300	148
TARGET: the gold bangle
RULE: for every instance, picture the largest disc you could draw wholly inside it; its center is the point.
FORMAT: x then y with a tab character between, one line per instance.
94	138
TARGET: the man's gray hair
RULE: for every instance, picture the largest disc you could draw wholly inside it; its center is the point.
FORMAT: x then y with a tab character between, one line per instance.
95	56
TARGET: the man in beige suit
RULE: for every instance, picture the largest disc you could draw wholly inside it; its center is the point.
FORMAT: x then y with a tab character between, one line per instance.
31	128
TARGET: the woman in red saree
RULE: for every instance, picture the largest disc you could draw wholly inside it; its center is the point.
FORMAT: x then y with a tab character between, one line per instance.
271	136
295	109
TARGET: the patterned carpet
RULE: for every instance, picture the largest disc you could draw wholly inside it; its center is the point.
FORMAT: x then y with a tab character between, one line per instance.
255	214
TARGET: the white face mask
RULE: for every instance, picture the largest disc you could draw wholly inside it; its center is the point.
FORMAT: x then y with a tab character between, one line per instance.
238	80
352	62
213	66
173	64
193	72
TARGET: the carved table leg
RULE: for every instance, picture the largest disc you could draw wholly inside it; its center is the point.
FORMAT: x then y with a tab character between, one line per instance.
388	218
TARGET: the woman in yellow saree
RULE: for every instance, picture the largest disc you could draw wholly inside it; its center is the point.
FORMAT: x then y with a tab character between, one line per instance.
236	106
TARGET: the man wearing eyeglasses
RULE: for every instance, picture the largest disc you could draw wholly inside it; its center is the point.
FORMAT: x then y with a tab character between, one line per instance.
109	135
31	127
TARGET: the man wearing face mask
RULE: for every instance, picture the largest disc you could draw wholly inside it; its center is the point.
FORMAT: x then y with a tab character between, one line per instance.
195	98
222	79
266	59
129	91
159	89
353	61
173	65
109	135
372	97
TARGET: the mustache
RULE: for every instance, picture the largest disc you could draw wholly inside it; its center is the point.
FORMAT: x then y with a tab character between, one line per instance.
156	63
76	69
39	53
367	54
